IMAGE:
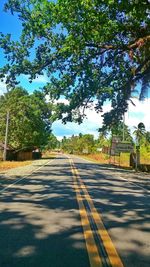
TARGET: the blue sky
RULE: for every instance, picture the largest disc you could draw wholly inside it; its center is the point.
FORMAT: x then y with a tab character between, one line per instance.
11	24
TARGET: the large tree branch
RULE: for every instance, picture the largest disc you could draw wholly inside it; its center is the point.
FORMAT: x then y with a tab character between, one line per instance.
137	43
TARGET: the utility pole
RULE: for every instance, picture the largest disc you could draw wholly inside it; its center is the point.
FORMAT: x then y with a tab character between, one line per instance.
6	136
123	137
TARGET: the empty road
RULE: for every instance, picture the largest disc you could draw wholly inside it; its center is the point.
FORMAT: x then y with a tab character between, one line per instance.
75	213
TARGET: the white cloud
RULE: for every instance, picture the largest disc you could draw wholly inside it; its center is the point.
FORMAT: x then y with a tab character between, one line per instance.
62	100
90	125
138	113
135	114
41	79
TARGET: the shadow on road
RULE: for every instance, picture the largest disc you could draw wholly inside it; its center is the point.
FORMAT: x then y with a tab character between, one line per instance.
125	209
39	222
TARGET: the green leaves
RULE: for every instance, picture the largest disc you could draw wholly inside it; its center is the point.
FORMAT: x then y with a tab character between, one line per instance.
29	123
91	50
79	144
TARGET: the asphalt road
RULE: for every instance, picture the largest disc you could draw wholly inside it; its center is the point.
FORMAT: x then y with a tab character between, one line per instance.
72	212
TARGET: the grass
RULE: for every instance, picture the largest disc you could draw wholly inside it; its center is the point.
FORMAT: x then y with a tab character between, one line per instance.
145	157
123	160
102	158
6	165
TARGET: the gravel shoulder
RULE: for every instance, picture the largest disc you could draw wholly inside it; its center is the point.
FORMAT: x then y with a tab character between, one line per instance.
26	170
11	175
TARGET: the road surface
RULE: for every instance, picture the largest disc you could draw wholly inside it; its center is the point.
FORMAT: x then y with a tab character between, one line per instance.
76	213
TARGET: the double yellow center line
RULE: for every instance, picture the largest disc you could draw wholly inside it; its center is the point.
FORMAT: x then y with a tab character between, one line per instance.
100	248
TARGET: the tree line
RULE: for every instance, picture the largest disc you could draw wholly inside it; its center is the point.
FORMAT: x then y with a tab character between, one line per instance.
87	144
30	121
91	51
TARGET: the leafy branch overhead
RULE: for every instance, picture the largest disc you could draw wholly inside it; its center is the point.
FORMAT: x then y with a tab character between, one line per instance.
91	50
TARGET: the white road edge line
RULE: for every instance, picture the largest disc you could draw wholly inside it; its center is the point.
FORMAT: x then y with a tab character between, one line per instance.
120	176
135	184
24	177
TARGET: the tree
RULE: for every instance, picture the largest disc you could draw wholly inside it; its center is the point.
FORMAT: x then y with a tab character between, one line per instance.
122	130
139	133
86	142
52	142
147	137
64	144
102	140
29	119
70	144
92	51
77	144
147	142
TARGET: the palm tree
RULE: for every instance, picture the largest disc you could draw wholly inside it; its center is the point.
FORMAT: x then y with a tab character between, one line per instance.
139	132
146	140
147	137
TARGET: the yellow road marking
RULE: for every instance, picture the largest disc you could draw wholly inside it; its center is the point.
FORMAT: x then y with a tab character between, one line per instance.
107	242
92	249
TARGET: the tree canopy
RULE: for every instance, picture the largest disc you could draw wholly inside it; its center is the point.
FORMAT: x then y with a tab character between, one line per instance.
52	142
91	50
140	133
122	131
29	119
79	144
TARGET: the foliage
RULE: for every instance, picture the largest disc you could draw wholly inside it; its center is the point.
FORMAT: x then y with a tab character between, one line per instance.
52	142
147	139
99	157
142	138
29	122
145	154
139	133
122	130
102	140
91	50
78	144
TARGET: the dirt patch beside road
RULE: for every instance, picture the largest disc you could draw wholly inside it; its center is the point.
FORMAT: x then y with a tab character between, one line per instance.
6	165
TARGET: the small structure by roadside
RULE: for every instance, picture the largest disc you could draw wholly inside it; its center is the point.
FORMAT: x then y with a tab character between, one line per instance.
28	154
20	154
10	152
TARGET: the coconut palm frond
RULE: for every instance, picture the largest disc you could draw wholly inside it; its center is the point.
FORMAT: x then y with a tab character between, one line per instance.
145	85
139	132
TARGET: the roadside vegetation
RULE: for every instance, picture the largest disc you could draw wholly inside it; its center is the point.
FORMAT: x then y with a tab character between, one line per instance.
99	149
6	165
91	52
29	118
29	126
